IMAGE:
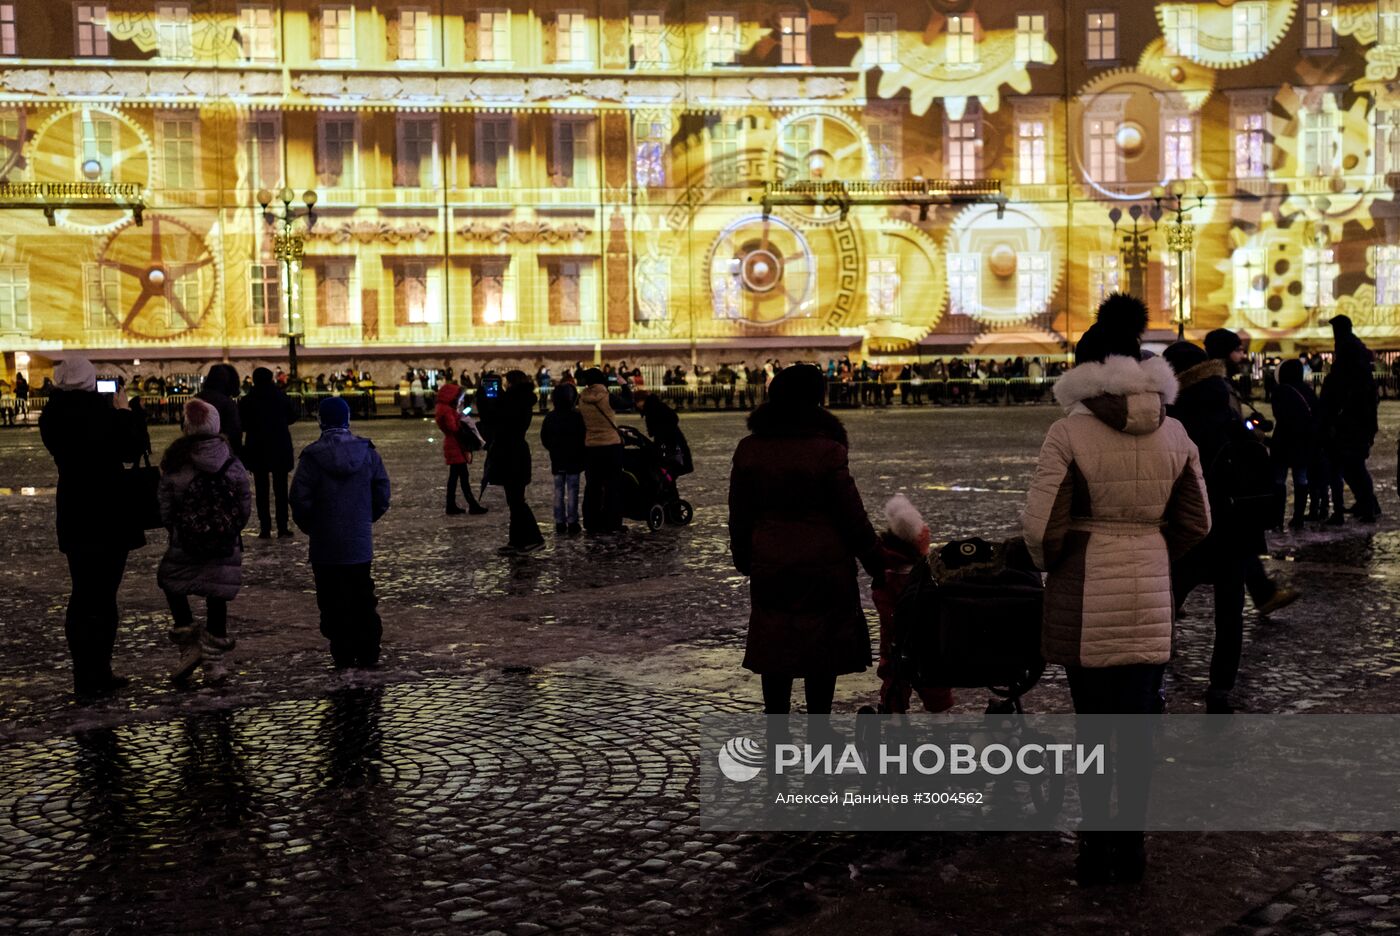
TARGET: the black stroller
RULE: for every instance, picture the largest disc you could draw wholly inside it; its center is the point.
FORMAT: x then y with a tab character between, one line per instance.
649	492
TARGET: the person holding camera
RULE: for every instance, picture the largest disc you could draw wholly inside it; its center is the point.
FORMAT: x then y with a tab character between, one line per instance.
460	442
91	436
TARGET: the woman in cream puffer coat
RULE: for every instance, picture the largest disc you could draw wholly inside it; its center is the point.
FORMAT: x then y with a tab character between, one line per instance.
1117	494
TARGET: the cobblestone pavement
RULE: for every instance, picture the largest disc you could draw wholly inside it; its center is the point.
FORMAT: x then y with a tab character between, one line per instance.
523	762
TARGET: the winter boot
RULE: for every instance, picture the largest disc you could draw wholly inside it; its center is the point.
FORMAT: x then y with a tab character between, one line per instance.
213	651
191	652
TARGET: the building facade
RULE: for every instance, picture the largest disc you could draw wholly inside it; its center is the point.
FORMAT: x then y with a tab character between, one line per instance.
572	177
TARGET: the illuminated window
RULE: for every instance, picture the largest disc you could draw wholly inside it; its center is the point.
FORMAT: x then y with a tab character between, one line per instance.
14	298
1248	29
178	154
102	300
724	152
9	44
1102	43
1031	158
263	150
494	143
570	165
265	282
1179	25
1318	32
727	291
336	302
415	302
10	141
416	165
653	289
651	140
337	32
571	39
1387	141
882	287
570	291
1103	150
886	135
1178	147
1387	261
1251	146
493	37
493	292
881	39
99	144
92	29
964	283
792	29
962	39
1251	284
173	36
335	159
797	150
1319	277
1389	22
1104	270
961	142
722	38
1033	282
1030	39
186	302
257	32
648	39
415	36
1321	142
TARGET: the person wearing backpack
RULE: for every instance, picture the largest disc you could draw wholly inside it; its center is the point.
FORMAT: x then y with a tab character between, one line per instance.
205	500
339	491
460	442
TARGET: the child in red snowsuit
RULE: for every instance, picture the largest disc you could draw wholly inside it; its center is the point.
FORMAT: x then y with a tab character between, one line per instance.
903	544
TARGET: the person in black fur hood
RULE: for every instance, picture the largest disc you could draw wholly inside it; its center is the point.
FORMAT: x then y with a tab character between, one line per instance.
797	528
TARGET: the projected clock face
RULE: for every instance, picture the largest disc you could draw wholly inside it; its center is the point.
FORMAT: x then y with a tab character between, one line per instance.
159	282
762	272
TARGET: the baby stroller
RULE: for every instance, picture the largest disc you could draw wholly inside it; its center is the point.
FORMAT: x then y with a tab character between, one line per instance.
649	491
971	618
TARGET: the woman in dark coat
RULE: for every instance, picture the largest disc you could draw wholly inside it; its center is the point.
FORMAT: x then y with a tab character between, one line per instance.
267	415
220	390
796	528
508	461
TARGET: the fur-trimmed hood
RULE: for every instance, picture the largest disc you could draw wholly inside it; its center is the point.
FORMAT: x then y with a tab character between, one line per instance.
773	422
1202	371
1127	395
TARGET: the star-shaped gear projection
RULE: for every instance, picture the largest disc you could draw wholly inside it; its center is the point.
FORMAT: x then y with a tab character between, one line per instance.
165	279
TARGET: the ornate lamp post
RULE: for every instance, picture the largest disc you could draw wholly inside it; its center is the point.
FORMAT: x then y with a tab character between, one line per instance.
1181	237
1135	252
289	247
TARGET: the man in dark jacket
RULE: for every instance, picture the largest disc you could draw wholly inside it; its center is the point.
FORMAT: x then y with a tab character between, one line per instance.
1294	445
266	413
663	424
90	437
1349	409
563	435
340	490
220	390
508	460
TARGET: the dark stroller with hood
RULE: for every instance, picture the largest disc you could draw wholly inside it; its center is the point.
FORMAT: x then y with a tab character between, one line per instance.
649	492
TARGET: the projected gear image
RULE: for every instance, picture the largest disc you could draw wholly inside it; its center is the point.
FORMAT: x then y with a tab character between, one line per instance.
762	272
74	136
167	279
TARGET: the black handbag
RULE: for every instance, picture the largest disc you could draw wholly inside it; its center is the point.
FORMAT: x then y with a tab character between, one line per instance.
141	485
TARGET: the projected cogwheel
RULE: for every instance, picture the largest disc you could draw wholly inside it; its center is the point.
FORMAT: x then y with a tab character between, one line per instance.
74	135
762	272
166	278
1118	155
921	283
1006	270
1229	34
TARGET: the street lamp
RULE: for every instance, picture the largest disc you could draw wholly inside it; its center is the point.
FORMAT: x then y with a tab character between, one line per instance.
1180	237
1135	253
289	247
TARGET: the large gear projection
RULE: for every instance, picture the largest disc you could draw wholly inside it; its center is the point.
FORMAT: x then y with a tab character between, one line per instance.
1025	233
1228	34
172	272
63	142
762	272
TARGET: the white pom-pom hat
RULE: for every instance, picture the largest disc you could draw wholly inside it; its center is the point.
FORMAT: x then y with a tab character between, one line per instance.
903	518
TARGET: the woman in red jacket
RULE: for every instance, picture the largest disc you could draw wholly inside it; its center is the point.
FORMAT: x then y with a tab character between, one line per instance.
459	440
